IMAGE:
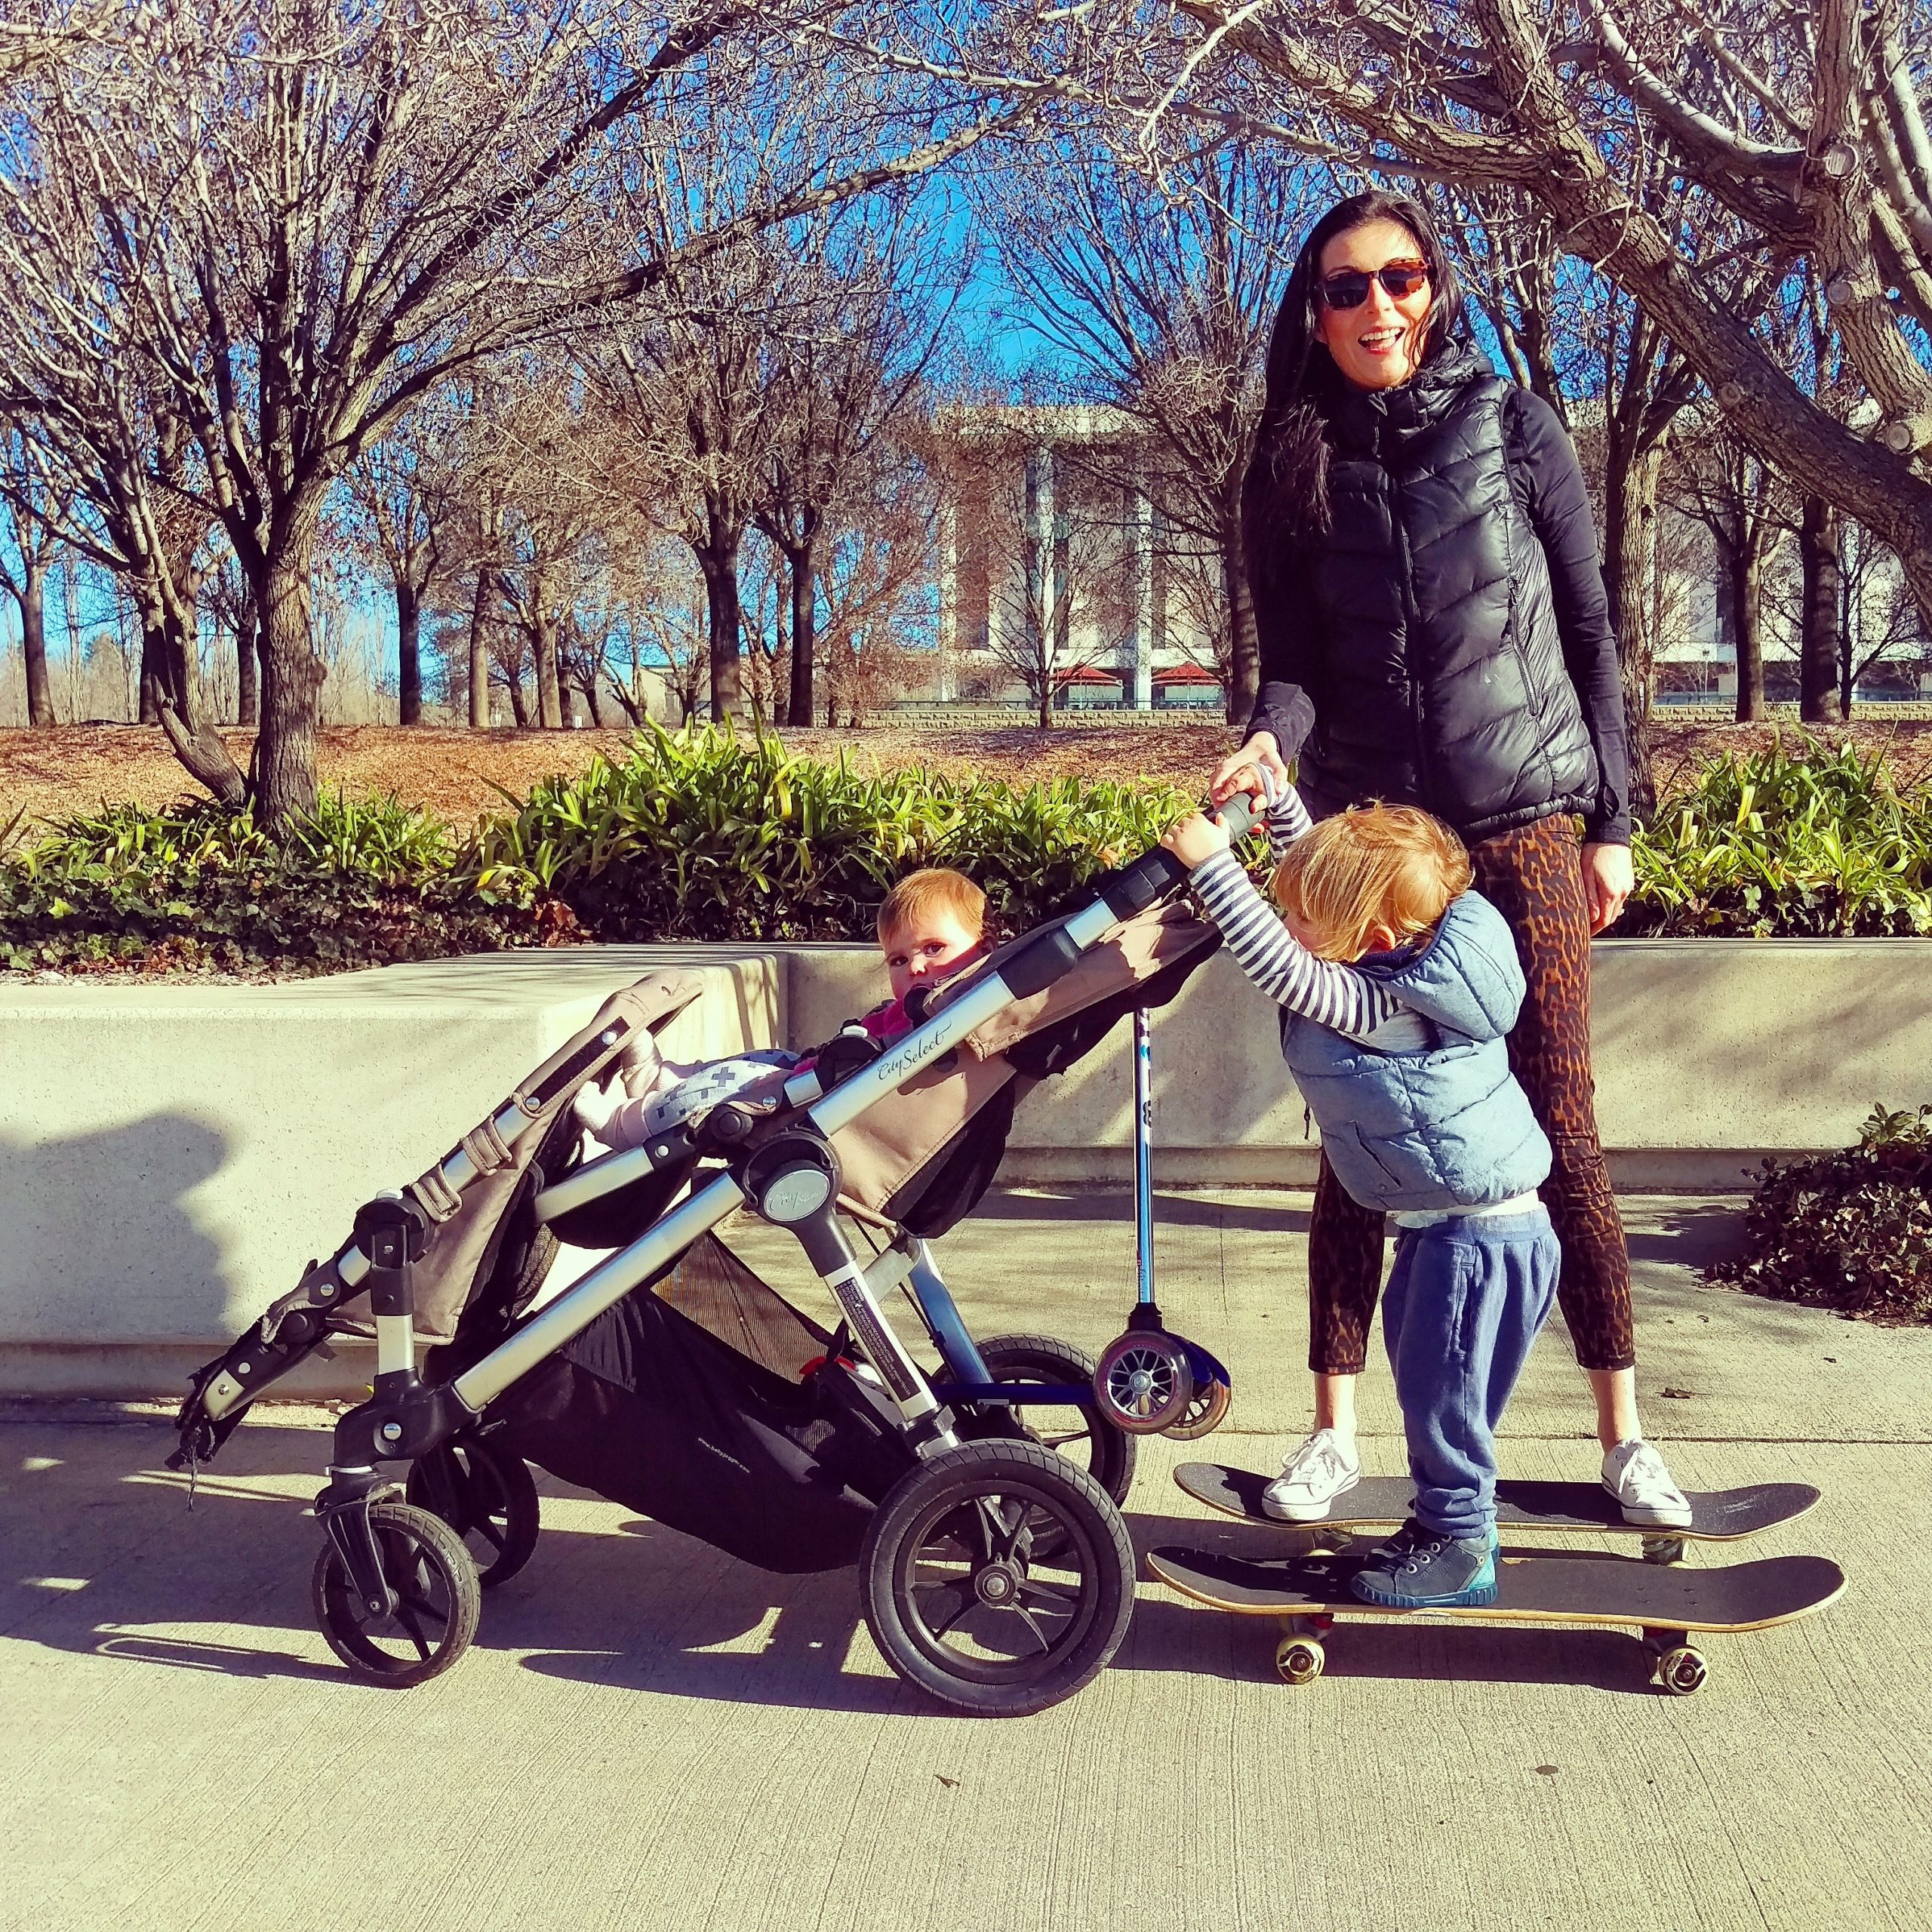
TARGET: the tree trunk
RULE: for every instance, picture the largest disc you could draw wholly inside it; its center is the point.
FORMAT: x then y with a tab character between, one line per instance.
171	661
247	646
719	562
1820	532
282	779
479	650
1747	608
33	642
805	632
1244	638
513	684
549	692
1630	495
152	681
409	653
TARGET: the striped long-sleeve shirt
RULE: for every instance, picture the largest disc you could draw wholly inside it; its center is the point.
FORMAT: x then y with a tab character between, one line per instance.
1332	994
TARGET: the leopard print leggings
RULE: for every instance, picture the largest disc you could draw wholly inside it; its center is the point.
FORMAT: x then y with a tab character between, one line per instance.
1533	877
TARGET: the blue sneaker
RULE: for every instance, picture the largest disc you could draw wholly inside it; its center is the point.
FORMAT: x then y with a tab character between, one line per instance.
1417	1569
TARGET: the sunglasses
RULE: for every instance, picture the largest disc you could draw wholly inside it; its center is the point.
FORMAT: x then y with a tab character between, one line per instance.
1348	289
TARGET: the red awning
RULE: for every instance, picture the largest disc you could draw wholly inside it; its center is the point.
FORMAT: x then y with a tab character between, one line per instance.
1186	674
1084	674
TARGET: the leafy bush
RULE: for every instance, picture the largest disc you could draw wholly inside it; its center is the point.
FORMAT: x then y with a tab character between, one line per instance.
699	837
1850	1231
1813	844
199	887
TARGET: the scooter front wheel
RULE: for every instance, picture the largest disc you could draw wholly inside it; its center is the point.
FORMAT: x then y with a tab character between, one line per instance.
1206	1410
1143	1381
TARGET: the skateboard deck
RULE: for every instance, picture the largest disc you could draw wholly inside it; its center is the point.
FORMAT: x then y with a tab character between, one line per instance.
1717	1515
1666	1603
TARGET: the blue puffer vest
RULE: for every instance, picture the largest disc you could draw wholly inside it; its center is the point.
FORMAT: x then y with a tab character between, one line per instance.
1442	1124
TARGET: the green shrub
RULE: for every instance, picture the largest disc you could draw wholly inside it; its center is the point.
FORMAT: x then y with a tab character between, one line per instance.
199	886
1850	1231
699	837
1810	844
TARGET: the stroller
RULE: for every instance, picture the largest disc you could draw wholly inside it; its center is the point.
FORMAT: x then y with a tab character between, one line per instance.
994	1568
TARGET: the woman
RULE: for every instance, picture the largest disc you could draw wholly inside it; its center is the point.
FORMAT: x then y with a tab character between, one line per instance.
1434	632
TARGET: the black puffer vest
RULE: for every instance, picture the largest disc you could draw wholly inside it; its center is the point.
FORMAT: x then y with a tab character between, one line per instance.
1442	678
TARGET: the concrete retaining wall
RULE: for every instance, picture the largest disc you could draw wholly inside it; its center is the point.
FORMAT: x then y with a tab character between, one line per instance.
171	1156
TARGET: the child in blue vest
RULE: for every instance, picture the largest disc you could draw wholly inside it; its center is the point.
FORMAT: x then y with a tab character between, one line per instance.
1397	984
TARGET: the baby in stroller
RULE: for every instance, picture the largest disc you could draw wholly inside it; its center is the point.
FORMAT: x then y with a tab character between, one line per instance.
931	925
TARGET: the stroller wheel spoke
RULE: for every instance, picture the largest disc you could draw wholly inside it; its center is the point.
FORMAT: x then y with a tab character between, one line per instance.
941	1607
1032	1623
1048	1596
404	1616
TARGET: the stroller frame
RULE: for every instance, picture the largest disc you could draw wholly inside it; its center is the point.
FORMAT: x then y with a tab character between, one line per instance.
789	1175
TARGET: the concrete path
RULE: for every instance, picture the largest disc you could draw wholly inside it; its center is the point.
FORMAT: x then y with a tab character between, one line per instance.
648	1733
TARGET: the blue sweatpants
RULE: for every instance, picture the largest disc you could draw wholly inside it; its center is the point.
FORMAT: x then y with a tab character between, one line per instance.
1464	1302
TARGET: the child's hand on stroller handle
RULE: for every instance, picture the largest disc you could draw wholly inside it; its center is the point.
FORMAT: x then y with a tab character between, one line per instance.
1195	839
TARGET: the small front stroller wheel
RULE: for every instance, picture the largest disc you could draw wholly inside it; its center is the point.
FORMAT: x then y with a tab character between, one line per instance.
438	1599
1144	1381
488	1496
999	1577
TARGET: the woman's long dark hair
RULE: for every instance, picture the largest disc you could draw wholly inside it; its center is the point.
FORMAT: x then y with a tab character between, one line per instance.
1284	495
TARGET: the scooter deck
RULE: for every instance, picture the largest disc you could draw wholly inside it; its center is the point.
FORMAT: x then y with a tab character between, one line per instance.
1717	1515
1600	1589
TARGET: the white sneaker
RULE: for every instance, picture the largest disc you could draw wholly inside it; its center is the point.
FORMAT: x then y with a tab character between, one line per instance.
1634	1473
1320	1469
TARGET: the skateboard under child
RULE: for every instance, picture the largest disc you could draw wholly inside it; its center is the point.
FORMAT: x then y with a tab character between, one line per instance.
1717	1515
1668	1605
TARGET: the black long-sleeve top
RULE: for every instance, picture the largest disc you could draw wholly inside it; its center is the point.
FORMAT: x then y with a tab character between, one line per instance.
1543	455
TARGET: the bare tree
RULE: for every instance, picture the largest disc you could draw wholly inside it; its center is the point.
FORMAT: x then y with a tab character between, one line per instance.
1720	483
874	297
1156	275
26	552
1805	124
284	223
404	496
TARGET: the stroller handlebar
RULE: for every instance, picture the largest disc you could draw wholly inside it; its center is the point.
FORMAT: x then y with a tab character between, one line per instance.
1132	888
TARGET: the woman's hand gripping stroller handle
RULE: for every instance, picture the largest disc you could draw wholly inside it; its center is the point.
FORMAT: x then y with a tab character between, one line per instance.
1149	879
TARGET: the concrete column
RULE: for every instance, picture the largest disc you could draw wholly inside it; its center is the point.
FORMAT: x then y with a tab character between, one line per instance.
1137	669
1039	558
949	593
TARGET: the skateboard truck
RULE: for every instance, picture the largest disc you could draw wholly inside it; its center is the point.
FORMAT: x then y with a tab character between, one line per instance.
1148	1381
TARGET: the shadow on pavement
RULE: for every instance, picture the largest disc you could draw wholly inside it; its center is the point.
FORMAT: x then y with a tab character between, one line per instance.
107	1561
1174	1210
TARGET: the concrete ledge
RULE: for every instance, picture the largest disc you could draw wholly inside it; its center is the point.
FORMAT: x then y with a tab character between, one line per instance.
171	1156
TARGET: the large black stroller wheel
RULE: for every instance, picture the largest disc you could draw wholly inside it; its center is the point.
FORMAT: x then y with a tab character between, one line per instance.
1085	1435
999	1577
488	1496
438	1599
1144	1382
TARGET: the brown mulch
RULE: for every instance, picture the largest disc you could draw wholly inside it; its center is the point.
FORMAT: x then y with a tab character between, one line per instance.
74	769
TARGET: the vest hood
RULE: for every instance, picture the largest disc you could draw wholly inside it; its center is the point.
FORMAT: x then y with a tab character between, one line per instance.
1467	978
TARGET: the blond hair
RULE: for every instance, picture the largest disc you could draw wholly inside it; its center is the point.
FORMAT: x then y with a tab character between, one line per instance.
1392	866
935	889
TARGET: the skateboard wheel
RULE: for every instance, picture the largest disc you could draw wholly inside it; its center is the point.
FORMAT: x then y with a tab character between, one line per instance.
1681	1670
1663	1549
1143	1381
1299	1660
